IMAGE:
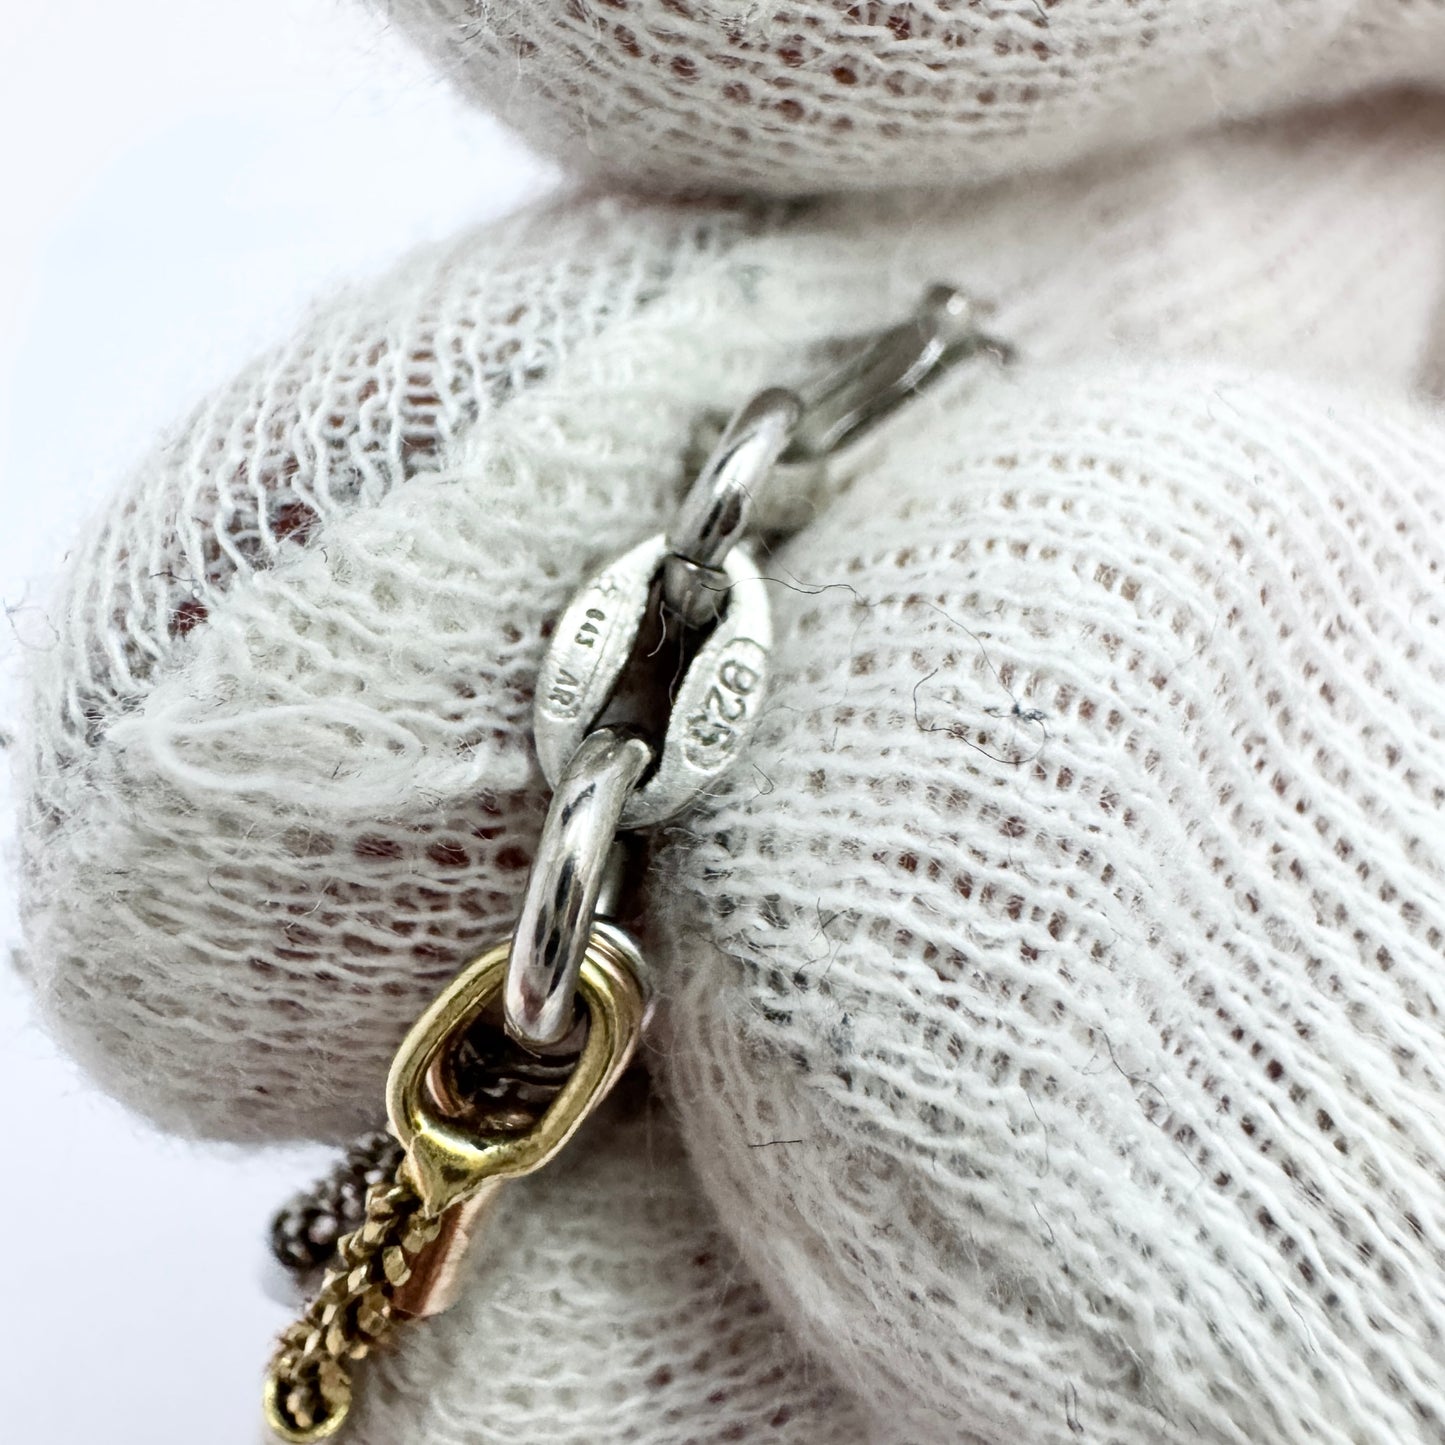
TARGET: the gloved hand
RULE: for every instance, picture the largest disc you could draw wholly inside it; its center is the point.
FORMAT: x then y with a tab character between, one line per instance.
1050	1005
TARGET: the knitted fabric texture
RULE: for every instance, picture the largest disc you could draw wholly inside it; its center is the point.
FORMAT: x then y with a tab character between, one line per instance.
362	857
799	96
1078	911
1079	928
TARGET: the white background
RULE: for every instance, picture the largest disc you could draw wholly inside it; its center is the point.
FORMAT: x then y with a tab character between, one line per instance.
177	179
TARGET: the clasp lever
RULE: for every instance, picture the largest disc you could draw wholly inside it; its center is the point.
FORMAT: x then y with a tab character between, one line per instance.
845	404
795	435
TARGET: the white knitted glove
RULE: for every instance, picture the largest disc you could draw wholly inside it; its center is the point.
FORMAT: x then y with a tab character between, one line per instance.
789	97
1051	1004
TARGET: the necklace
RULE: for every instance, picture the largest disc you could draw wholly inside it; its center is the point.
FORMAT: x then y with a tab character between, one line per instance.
646	697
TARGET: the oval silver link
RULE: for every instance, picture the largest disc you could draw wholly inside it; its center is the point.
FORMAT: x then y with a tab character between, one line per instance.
715	706
558	908
718	507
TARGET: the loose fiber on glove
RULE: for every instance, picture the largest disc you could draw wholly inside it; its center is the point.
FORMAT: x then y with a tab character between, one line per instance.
1080	923
796	97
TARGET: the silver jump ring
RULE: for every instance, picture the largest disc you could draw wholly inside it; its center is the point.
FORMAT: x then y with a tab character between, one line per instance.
563	887
718	506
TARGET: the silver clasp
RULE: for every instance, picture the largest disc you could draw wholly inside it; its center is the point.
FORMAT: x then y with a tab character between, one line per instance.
844	405
793	439
708	580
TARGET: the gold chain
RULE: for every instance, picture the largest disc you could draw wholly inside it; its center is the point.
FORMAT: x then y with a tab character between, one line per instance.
308	1384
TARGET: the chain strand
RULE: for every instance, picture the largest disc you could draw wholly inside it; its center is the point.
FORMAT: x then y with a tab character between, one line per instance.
307	1229
308	1386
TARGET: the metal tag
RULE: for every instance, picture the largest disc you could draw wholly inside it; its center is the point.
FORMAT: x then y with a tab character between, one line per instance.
715	707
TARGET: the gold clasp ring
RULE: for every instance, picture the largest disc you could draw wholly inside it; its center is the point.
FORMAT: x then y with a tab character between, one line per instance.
445	1162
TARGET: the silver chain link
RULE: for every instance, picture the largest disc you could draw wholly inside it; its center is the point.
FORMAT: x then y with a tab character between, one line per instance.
674	637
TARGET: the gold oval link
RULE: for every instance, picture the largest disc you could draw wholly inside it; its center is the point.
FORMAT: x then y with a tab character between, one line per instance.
445	1161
